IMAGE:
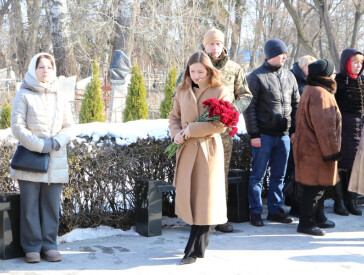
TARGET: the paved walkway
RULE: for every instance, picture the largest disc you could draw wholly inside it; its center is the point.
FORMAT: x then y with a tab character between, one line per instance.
272	249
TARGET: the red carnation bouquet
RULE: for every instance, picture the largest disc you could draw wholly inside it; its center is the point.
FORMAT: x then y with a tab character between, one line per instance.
215	110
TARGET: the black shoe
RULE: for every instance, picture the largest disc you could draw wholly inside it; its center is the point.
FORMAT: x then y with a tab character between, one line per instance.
279	217
188	260
326	224
316	231
353	208
256	220
339	208
225	228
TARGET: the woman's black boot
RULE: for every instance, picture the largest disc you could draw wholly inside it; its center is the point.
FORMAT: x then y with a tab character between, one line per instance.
351	204
339	205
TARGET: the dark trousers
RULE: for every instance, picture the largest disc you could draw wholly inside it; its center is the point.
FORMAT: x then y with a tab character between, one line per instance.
312	206
39	215
198	241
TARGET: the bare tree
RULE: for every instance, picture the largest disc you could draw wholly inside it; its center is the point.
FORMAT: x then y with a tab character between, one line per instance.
297	19
122	25
33	13
359	10
19	52
60	33
239	9
323	8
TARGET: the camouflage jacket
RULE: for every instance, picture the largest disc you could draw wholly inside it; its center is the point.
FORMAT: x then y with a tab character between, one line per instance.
233	78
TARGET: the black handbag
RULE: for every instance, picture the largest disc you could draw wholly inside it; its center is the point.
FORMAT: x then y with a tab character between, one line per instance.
30	161
293	190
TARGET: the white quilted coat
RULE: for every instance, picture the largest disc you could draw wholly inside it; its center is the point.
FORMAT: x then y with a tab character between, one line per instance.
39	111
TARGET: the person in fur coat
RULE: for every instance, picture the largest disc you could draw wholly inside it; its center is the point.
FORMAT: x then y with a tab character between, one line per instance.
41	120
316	146
199	174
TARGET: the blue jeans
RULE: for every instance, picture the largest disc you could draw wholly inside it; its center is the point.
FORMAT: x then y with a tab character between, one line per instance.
273	151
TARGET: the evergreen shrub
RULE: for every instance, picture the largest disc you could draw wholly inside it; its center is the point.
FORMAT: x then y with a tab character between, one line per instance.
167	103
92	108
5	116
136	101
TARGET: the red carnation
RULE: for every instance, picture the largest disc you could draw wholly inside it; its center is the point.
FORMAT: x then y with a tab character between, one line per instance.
233	131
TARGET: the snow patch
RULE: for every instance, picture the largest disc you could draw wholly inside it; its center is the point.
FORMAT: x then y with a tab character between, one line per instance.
80	234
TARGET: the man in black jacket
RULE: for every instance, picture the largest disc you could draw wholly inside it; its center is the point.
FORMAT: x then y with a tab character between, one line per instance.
270	118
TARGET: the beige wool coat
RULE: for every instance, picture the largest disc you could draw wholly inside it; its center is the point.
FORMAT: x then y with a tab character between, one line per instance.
42	111
199	174
317	142
356	183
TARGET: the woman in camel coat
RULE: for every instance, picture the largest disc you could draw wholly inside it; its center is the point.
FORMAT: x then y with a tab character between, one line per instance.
199	174
316	146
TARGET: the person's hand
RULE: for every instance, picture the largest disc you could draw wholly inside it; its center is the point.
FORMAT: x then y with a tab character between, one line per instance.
55	145
256	142
186	133
47	148
178	138
292	138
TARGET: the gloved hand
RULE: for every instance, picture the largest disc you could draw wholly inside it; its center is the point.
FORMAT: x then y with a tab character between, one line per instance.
55	144
47	145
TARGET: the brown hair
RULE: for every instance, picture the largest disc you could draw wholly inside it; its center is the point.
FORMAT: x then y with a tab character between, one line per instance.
46	57
212	73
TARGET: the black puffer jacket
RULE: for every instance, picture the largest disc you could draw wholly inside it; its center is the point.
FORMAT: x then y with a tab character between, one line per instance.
300	77
350	99
272	110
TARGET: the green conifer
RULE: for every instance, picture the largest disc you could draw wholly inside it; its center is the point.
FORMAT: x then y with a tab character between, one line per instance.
5	116
167	103
92	108
136	102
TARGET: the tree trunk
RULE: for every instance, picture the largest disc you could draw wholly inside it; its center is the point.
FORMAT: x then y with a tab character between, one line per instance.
133	27
236	31
322	7
257	33
122	27
359	10
60	35
299	27
4	10
19	54
33	12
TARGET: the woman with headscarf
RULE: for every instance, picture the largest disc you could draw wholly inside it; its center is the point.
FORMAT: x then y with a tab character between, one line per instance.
349	97
41	121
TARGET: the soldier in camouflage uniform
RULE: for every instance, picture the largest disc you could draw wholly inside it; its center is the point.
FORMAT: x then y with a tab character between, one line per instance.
240	96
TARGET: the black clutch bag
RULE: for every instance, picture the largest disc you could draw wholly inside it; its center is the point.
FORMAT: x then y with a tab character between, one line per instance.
29	161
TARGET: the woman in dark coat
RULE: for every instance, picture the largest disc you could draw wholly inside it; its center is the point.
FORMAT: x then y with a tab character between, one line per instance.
349	97
316	146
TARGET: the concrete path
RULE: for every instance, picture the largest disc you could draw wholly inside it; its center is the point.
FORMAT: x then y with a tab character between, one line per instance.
272	249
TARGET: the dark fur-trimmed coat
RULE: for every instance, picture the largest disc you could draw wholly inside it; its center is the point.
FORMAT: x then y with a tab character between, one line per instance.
350	99
317	143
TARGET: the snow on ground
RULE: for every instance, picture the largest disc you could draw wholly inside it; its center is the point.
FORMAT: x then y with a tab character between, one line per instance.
125	133
80	234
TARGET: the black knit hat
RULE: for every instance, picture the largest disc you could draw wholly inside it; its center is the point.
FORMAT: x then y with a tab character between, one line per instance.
274	47
321	67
